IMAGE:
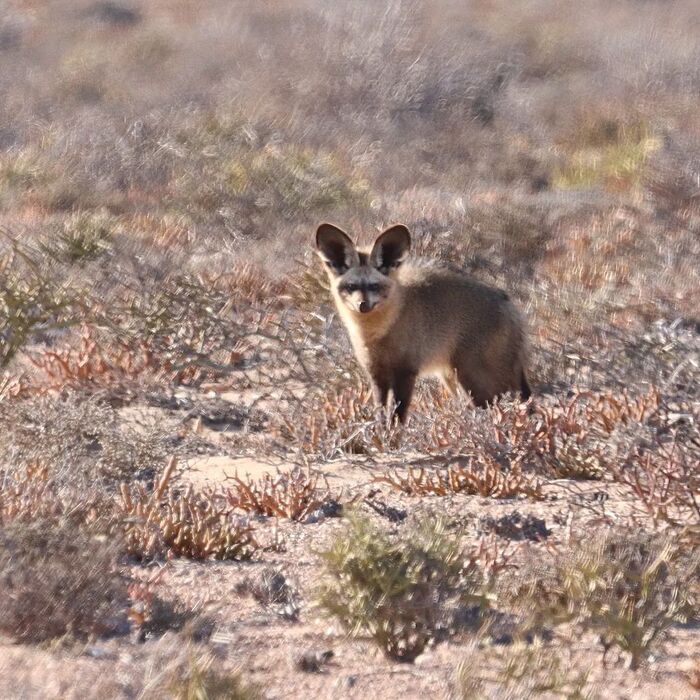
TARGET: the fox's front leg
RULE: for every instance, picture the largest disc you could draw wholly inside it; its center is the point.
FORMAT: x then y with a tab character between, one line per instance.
402	388
381	386
400	384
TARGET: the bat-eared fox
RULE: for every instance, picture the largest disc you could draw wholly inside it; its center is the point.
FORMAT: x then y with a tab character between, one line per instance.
409	320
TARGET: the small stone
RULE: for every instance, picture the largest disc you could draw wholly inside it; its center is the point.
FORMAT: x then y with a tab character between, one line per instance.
312	660
97	652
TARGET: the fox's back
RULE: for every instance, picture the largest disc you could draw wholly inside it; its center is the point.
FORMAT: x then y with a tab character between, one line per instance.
441	310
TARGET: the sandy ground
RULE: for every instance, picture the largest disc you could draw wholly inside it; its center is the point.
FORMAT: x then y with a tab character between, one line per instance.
267	646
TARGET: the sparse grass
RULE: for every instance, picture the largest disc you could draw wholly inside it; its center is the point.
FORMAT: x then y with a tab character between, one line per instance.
628	587
521	671
402	593
293	179
203	680
609	155
83	237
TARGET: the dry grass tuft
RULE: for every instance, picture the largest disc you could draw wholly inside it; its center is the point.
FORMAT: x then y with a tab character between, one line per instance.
181	523
520	671
628	587
475	478
293	494
202	679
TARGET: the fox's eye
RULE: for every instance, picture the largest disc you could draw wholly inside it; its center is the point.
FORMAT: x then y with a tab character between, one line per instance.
372	288
350	288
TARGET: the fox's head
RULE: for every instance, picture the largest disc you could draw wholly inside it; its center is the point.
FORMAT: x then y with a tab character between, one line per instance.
363	281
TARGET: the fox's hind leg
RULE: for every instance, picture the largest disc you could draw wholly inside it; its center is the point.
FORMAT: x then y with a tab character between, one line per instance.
473	383
450	382
525	390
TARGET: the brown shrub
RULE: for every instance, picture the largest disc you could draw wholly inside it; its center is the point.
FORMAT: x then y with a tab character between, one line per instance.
475	478
292	494
57	582
181	523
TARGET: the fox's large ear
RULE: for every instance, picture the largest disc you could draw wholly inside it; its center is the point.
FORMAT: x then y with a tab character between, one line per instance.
391	248
335	248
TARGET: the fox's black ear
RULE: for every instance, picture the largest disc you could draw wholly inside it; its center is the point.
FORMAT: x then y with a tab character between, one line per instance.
335	248
391	248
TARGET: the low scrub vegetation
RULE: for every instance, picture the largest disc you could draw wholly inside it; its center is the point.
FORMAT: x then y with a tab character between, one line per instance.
164	325
627	587
58	582
292	495
469	479
202	680
403	593
184	523
519	671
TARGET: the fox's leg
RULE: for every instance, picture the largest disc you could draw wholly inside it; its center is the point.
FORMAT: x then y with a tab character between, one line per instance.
381	384
381	392
402	387
449	382
481	394
525	389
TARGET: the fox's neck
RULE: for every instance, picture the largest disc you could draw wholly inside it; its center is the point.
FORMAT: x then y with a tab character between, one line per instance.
367	329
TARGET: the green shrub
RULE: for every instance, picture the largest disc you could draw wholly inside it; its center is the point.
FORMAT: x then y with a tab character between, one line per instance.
403	593
29	299
628	587
83	237
613	156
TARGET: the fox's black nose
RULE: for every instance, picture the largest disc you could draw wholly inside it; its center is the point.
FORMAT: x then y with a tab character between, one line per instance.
365	307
